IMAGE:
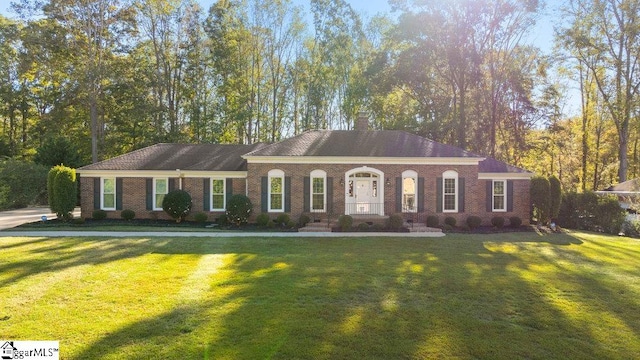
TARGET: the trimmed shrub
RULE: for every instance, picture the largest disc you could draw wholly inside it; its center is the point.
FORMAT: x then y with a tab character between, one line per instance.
262	219
396	222
177	203
555	196
474	222
609	215
465	227
433	221
377	227
345	222
77	221
363	227
290	224
283	219
568	216
540	199
128	214
497	221
99	214
451	221
63	191
515	222
22	184
447	227
201	217
239	209
222	220
304	220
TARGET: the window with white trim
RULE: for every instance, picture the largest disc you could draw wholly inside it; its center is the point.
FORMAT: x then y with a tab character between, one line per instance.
409	191
160	189
318	190
499	195
218	195
108	194
276	191
450	191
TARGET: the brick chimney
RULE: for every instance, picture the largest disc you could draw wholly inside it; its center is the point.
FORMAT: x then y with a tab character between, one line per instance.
362	122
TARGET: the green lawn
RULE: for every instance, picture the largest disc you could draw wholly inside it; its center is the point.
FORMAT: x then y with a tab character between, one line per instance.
503	296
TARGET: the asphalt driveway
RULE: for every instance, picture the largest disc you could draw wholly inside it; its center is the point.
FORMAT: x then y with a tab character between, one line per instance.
12	218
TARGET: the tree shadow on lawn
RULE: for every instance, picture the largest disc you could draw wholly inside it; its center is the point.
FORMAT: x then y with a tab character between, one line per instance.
377	298
63	253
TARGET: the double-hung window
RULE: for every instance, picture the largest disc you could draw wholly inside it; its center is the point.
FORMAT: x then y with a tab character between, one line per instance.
276	191
160	189
499	195
218	195
318	190
108	194
450	191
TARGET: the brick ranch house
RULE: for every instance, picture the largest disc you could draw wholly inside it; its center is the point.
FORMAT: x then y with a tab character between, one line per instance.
322	173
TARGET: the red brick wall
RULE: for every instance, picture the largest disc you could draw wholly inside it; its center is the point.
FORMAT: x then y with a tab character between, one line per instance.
475	190
134	197
134	191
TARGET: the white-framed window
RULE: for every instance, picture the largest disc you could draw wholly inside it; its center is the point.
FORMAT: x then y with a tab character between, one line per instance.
318	191
218	194
499	195
160	189
450	191
108	194
409	191
276	191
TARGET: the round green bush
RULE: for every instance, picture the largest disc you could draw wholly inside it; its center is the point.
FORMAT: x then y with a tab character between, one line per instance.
128	214
200	217
474	222
447	227
377	227
451	221
63	191
290	224
433	221
515	222
363	227
304	220
283	219
345	222
396	222
177	203
239	209
99	214
262	219
497	221
222	220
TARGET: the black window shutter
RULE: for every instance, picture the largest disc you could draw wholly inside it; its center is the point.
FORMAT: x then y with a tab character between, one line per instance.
206	194
307	194
489	197
461	195
439	195
149	191
420	194
264	194
287	194
509	195
229	190
398	194
172	184
119	183
329	205
96	193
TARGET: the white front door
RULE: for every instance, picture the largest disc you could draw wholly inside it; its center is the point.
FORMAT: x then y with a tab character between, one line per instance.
363	196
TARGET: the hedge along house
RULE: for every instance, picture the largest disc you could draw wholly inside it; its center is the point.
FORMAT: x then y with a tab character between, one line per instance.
323	173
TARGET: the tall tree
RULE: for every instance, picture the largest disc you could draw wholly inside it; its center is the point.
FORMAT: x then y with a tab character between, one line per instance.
605	36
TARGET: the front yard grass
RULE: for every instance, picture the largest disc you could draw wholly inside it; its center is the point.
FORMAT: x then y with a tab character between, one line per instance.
501	296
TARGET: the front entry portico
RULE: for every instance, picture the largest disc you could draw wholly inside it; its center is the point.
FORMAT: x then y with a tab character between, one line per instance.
364	193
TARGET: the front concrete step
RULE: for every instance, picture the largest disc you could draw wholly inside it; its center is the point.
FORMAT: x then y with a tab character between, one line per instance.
315	227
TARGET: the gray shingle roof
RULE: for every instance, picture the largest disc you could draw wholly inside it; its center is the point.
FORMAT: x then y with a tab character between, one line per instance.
491	165
196	157
632	185
376	143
